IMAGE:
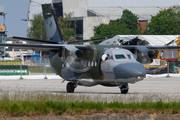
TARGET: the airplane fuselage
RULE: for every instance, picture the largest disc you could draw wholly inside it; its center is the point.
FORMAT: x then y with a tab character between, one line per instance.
108	66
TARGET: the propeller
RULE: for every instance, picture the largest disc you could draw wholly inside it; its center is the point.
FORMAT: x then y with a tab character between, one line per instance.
77	59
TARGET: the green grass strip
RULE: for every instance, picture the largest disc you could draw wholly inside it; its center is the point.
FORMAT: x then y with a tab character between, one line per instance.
39	69
59	107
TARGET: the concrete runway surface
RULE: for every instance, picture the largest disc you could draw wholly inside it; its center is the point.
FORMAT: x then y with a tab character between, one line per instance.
167	89
148	85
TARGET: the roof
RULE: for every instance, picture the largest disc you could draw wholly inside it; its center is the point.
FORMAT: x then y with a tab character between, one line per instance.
146	3
144	13
154	40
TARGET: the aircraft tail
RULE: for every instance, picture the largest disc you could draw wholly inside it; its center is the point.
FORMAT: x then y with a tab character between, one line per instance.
52	29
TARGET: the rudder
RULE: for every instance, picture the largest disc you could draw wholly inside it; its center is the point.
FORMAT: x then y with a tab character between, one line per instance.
52	29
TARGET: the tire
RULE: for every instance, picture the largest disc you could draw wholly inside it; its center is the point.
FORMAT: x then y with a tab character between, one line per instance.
70	87
124	89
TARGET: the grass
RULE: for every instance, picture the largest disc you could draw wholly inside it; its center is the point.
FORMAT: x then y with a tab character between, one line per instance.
60	107
39	69
33	103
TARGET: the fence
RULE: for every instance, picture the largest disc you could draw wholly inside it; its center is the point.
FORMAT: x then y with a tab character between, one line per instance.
14	70
169	67
44	68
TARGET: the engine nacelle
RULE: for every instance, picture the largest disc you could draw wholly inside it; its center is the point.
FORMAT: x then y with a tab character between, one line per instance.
145	57
79	53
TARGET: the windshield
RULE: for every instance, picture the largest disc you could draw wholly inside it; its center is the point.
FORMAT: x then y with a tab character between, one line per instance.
129	56
120	56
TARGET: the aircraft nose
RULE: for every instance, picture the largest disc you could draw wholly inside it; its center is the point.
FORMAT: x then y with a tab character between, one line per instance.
129	70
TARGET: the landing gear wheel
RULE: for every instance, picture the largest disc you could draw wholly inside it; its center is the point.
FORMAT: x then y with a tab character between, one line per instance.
70	87
124	88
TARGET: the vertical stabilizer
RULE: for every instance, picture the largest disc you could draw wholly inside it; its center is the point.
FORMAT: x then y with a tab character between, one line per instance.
52	29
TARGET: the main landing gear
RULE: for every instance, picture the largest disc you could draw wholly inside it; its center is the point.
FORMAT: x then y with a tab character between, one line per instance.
71	86
124	88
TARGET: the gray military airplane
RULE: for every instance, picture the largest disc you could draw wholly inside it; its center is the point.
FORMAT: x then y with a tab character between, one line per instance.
90	65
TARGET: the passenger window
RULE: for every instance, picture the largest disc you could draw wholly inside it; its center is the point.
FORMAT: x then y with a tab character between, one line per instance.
89	64
92	63
95	63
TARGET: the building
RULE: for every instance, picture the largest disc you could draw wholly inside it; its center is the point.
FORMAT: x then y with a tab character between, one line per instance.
90	13
79	8
2	30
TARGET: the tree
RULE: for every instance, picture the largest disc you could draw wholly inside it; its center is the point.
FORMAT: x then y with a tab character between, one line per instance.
37	29
110	30
126	25
67	26
7	55
131	22
166	22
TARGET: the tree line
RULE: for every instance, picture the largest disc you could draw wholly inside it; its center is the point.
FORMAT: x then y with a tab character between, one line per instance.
166	22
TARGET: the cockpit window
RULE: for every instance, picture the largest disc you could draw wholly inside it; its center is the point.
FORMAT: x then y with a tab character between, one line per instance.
129	56
120	56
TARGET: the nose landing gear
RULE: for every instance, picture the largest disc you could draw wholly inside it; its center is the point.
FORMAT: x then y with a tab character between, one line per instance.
124	88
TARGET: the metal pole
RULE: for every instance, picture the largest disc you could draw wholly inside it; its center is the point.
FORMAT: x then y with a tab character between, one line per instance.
4	22
45	71
28	13
4	32
21	72
4	47
168	70
40	57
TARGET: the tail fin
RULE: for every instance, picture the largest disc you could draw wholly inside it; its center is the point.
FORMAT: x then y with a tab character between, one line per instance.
52	29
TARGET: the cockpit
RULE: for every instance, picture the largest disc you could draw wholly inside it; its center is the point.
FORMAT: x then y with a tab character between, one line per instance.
118	64
117	54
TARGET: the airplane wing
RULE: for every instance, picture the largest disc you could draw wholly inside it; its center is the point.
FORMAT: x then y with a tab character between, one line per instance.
159	48
37	41
163	48
42	47
32	40
56	47
83	41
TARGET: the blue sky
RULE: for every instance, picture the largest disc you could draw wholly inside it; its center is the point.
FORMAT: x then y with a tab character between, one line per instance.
16	10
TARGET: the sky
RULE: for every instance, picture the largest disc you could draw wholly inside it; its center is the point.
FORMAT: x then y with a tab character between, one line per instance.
16	10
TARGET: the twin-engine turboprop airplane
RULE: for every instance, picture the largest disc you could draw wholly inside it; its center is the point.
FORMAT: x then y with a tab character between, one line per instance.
90	65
